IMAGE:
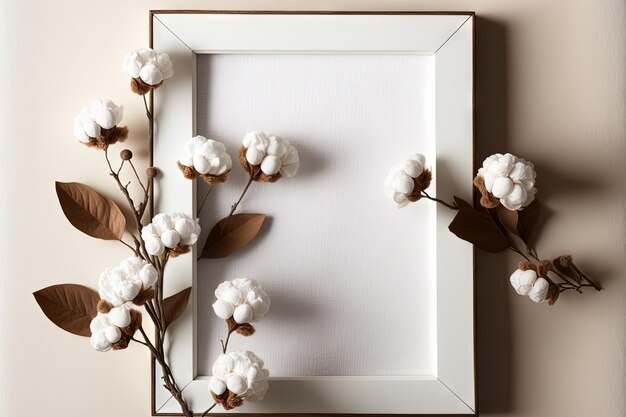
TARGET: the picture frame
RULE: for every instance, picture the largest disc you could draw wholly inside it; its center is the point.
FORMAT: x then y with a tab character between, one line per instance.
449	37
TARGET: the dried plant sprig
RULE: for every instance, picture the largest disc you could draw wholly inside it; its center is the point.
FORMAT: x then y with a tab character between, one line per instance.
507	212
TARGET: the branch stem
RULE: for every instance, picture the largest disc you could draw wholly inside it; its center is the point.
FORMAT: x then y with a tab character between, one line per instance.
437	200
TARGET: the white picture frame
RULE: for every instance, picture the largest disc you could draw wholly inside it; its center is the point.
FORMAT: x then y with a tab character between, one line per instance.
449	37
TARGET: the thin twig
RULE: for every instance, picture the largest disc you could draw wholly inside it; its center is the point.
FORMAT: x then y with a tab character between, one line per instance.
129	247
137	175
204	199
234	206
208	409
437	200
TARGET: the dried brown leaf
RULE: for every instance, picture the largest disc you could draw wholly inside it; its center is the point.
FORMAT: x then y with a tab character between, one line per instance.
90	212
508	219
69	306
460	203
527	220
231	234
478	229
175	305
553	294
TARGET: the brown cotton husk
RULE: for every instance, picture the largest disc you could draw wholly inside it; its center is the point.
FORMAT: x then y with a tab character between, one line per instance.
135	323
122	343
245	329
143	296
255	170
543	268
179	250
138	86
525	265
487	199
108	137
553	294
104	306
190	173
227	400
420	184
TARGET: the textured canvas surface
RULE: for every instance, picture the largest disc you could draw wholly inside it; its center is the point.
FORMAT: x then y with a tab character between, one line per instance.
351	277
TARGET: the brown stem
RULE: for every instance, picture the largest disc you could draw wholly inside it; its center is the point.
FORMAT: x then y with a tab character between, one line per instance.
208	409
129	247
234	206
124	189
168	378
204	199
225	344
450	206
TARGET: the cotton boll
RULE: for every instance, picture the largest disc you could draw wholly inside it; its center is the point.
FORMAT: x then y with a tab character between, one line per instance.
510	179
233	296
154	246
223	309
413	168
502	187
217	386
148	276
402	183
236	384
516	198
150	74
539	292
243	314
201	164
170	238
184	227
119	316
522	281
113	334
130	289
400	199
92	129
99	342
276	147
270	165
255	139
225	164
254	156
162	223
106	118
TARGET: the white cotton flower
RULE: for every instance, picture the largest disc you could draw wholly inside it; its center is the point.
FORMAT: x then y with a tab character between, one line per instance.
242	299
170	231
400	180
539	291
510	179
242	373
207	156
146	64
522	281
103	332
121	283
272	153
97	115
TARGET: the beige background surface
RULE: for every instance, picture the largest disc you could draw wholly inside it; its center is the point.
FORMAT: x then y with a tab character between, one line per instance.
550	87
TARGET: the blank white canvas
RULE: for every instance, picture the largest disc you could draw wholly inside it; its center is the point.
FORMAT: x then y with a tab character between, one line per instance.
351	277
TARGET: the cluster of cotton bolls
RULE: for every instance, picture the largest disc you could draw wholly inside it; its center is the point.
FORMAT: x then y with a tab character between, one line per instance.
243	299
148	66
177	231
526	282
273	154
240	373
121	283
106	328
509	179
206	157
404	181
96	117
